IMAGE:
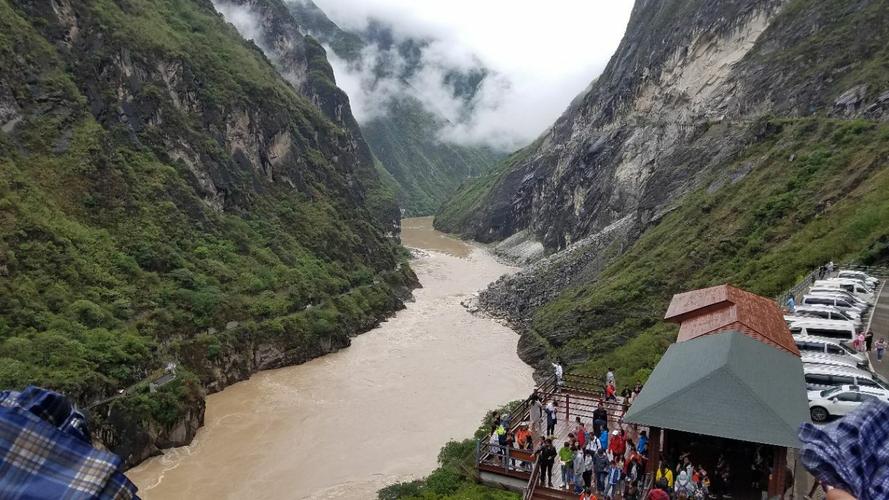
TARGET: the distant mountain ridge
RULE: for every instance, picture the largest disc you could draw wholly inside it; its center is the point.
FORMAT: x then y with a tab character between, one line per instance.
405	136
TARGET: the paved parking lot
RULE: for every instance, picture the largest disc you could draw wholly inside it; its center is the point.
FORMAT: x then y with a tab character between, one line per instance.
880	325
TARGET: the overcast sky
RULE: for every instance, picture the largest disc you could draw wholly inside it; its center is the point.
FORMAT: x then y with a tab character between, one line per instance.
545	53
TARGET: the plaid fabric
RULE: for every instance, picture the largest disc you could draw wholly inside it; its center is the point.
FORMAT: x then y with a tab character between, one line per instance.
45	452
851	454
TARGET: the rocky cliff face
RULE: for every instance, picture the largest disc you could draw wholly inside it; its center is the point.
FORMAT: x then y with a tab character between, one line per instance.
643	135
688	92
167	196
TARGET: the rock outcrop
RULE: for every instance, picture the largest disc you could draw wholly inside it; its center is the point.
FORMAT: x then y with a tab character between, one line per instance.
690	88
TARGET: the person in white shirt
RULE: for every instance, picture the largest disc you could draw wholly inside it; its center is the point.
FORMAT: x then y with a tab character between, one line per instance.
559	373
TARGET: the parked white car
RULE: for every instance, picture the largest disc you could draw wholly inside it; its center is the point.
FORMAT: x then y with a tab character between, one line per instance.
810	345
852	287
827	312
838	330
820	377
839	401
861	304
821	358
833	301
848	273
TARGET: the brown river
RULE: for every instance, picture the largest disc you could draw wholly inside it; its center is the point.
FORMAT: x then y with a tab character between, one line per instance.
346	424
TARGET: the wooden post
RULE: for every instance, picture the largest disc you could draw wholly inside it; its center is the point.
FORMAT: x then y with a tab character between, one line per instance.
654	449
776	480
567	409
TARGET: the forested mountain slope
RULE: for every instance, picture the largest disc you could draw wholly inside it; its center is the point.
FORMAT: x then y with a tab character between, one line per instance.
168	197
405	136
725	141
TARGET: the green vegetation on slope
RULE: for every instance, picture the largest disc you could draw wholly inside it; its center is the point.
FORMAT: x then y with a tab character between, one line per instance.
473	196
816	192
427	170
112	260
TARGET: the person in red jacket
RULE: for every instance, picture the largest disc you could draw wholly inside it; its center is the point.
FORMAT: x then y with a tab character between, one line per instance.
580	433
616	445
610	392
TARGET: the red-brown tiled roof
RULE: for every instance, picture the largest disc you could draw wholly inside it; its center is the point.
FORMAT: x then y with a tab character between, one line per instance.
726	308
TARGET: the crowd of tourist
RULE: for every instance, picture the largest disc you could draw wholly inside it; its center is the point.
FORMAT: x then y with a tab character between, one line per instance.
599	456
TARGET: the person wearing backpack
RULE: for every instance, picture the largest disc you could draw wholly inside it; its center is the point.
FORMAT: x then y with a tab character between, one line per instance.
664	477
551	419
600	465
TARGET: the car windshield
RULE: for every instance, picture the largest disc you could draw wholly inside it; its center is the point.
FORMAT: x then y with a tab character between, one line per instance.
827	392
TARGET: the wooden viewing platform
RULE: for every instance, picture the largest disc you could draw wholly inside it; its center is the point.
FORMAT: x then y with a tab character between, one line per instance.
516	469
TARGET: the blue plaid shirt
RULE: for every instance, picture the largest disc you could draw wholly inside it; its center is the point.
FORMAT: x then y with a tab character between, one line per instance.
45	452
851	454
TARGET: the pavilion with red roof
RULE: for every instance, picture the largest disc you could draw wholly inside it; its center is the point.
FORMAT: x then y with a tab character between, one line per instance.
730	391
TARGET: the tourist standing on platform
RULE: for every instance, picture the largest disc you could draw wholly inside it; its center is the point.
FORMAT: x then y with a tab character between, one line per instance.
869	340
642	446
664	477
557	367
536	412
603	438
578	470
551	419
580	433
881	349
600	419
600	467
614	477
547	457
589	467
616	444
610	393
566	460
683	487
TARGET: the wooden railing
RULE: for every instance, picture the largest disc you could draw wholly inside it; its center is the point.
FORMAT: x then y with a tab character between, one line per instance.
523	411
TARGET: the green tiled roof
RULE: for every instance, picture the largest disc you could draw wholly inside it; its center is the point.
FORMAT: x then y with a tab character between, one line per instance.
727	385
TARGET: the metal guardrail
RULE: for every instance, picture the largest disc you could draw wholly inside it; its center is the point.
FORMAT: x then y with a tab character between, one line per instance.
532	482
796	291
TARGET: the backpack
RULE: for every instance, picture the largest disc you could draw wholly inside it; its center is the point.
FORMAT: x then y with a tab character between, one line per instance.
601	463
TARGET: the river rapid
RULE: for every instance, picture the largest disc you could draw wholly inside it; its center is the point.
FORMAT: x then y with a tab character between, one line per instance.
346	424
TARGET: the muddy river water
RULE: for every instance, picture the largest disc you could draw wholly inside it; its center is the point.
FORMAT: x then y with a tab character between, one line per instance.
349	423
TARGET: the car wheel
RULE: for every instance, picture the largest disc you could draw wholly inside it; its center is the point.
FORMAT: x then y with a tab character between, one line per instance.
819	414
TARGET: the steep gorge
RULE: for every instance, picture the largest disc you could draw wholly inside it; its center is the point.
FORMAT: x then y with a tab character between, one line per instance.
168	197
636	191
405	135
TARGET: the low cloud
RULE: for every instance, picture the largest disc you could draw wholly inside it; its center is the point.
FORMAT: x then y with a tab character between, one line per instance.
538	58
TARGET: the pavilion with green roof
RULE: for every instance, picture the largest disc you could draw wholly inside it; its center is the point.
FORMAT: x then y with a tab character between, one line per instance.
731	387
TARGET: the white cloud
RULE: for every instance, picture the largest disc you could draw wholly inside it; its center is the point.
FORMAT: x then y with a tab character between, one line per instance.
242	18
542	53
